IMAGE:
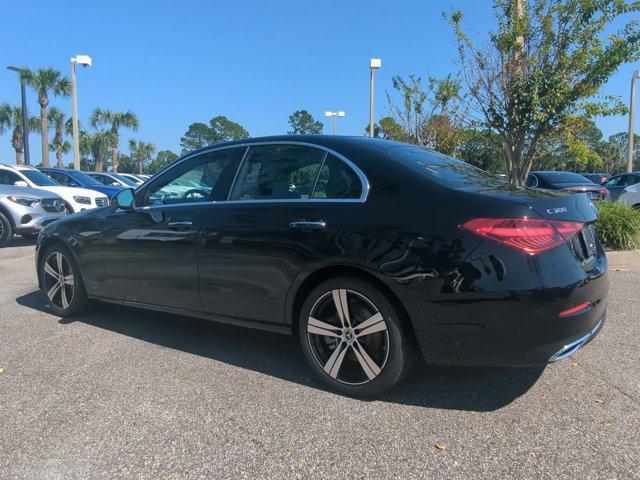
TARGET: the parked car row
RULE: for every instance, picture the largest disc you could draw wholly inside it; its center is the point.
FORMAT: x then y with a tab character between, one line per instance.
33	197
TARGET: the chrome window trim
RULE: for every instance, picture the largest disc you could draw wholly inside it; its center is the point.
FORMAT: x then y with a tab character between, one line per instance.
364	181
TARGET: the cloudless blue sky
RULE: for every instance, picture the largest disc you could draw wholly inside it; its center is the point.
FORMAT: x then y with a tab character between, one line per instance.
179	62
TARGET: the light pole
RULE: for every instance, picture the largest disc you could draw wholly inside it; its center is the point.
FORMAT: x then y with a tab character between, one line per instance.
374	64
25	116
632	106
85	61
335	116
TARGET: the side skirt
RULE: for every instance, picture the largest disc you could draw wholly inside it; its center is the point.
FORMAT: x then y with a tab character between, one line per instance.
240	322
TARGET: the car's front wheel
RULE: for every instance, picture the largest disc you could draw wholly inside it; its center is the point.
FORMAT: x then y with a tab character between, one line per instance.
61	281
6	231
353	338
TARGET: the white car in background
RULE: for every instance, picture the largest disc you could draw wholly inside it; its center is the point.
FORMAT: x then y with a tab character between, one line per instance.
631	196
75	198
136	178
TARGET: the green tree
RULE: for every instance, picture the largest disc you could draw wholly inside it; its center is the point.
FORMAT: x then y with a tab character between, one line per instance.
163	158
478	148
95	145
220	129
61	125
430	115
545	61
45	82
114	121
615	151
127	164
141	152
389	129
11	118
302	122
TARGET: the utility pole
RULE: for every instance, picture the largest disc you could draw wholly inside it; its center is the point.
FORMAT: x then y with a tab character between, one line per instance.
632	106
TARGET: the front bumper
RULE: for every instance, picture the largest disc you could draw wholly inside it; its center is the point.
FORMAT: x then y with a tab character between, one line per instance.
36	222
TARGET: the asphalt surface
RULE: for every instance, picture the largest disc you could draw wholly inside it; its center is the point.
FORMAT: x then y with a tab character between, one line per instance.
123	393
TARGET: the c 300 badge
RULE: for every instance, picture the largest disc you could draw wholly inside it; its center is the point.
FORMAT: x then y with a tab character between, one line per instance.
555	211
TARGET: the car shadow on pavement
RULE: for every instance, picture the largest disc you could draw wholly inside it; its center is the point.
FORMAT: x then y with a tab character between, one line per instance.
473	389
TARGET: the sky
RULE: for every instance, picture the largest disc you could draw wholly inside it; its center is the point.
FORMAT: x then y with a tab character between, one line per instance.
183	61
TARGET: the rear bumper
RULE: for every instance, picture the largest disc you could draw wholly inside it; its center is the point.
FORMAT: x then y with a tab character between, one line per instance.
477	322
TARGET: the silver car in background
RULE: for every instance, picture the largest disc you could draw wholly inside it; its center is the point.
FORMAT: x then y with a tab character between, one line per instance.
24	211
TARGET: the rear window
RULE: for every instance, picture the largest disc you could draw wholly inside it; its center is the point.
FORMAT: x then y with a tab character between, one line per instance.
445	170
563	177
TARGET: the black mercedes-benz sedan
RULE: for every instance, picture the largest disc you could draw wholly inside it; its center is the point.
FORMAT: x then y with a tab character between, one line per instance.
372	253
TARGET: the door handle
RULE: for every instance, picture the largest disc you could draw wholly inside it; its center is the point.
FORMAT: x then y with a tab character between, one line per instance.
180	225
308	225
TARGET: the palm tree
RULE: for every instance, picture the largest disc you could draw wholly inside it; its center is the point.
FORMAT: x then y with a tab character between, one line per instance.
11	117
141	151
61	126
97	145
46	81
114	120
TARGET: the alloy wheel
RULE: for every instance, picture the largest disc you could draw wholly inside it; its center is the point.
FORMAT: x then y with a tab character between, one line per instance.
58	280
348	336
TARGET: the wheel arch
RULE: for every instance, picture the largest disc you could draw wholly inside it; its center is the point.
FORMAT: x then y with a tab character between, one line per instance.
5	211
296	298
45	244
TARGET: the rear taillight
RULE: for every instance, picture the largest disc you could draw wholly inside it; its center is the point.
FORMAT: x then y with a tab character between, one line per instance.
530	235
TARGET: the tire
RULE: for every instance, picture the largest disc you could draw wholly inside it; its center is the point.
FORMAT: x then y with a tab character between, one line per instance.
6	230
344	358
67	296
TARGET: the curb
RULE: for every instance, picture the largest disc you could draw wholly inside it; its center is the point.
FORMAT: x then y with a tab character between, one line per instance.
624	260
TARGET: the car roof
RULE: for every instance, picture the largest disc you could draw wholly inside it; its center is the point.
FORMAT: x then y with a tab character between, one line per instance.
327	141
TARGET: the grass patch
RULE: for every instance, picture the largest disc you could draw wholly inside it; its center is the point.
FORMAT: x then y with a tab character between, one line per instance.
618	226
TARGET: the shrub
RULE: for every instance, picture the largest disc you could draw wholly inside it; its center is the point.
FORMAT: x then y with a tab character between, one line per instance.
618	226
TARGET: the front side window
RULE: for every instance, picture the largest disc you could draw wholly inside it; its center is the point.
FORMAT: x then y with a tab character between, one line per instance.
278	172
63	179
8	178
194	180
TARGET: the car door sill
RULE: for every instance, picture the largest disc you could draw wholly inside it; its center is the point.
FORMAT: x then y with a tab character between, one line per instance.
240	322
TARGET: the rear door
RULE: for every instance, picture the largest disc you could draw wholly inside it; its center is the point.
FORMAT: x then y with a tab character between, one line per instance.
285	207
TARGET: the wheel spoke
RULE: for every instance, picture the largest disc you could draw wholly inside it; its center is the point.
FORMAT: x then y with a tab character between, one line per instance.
52	291
68	280
59	263
48	269
373	324
319	327
332	367
369	367
340	301
63	297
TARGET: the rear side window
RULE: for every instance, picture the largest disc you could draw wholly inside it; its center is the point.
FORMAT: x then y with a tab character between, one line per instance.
62	179
445	170
278	172
337	180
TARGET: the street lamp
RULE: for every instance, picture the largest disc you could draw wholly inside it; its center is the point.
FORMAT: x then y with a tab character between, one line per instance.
335	115
374	64
632	106
25	116
85	61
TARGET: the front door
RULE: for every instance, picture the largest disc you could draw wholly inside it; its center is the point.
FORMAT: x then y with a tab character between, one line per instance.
150	253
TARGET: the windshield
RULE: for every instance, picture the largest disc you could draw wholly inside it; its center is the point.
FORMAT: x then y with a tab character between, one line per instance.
39	178
84	178
124	179
446	170
563	177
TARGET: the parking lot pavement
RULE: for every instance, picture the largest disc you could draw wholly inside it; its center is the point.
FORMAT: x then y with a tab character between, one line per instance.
123	393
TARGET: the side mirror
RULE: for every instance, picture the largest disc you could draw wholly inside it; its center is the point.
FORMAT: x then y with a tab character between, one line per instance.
124	199
20	183
73	184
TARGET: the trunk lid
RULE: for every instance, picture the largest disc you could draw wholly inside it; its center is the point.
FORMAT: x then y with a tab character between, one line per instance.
548	204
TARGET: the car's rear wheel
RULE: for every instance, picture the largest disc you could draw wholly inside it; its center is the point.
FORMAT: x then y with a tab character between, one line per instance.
353	338
61	281
6	231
